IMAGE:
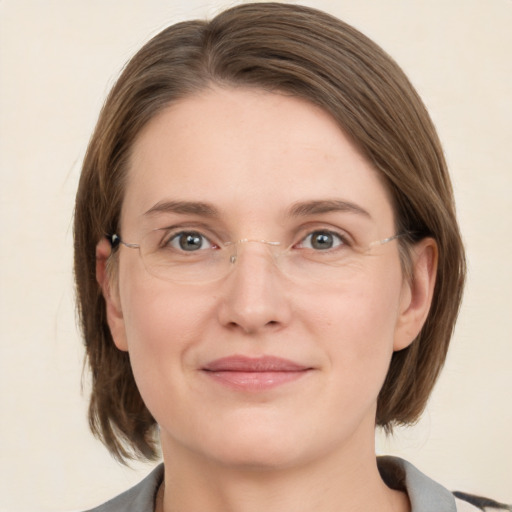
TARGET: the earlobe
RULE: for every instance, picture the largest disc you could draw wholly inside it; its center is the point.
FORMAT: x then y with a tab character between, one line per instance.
417	294
111	294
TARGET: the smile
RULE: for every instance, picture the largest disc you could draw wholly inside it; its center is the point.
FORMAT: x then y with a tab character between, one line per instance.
254	374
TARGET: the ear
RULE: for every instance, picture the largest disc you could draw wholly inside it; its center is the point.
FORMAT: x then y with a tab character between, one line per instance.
417	293
110	290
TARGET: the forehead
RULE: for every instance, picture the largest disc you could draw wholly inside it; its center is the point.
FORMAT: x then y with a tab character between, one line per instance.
248	151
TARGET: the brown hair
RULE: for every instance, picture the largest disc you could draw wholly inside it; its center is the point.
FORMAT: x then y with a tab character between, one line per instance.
310	54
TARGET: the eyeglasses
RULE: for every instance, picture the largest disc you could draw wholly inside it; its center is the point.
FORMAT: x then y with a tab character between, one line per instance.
189	256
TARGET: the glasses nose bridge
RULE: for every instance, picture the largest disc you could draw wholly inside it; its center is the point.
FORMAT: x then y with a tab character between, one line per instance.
271	246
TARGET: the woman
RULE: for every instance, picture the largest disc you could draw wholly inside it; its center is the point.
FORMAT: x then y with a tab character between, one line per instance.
268	265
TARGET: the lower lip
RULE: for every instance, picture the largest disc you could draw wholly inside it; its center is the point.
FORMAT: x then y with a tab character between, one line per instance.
255	381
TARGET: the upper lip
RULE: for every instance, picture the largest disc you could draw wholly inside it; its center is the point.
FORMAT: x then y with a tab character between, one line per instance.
239	363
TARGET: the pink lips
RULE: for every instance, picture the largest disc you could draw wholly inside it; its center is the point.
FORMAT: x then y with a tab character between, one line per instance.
254	374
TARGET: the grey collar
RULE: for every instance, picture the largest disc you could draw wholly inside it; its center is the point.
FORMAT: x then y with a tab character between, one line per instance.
425	494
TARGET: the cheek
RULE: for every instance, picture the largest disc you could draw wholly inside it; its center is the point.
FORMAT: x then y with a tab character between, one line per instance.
152	319
356	324
158	315
162	330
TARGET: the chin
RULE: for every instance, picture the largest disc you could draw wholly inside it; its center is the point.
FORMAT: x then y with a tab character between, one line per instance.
250	444
259	453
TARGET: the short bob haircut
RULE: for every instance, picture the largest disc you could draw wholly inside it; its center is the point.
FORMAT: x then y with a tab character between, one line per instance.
296	51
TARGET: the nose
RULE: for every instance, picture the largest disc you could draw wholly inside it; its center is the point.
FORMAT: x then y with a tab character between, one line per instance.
254	295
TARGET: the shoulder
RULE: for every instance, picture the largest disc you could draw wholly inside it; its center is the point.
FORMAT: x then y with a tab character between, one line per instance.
140	498
426	495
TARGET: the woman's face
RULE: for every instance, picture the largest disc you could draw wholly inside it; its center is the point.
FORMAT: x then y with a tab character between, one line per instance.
262	366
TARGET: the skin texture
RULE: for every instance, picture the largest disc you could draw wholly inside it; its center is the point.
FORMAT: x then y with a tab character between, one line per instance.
307	444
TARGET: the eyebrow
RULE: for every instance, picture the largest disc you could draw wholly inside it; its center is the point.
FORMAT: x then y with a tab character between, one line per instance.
300	209
184	208
305	208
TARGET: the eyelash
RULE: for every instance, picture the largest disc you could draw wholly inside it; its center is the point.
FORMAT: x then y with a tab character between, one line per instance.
174	233
342	240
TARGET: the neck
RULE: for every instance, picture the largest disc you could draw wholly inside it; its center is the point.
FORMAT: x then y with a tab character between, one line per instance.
329	485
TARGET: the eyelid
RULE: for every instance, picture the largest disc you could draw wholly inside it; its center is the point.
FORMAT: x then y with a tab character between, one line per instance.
306	243
308	230
220	240
170	232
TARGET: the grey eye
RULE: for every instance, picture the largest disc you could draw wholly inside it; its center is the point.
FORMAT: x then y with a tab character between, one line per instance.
189	241
322	240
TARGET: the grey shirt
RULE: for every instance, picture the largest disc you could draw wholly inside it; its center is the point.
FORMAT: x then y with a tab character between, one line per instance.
424	494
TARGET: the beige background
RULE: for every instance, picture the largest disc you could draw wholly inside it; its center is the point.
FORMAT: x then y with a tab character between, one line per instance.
58	58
